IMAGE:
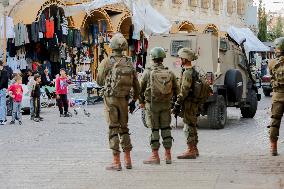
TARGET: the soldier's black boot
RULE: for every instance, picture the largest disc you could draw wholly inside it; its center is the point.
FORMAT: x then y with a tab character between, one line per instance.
274	148
116	164
127	159
154	159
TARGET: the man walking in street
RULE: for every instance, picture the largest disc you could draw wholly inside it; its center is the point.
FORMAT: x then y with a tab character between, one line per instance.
186	103
158	85
276	68
118	76
3	88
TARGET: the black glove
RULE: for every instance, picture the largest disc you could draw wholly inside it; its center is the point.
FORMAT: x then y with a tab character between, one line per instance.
176	109
132	106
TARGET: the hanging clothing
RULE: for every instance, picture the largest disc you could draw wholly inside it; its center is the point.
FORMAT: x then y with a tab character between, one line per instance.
49	29
11	49
58	20
42	23
70	38
95	33
10	31
62	50
14	64
35	31
77	39
21	35
64	26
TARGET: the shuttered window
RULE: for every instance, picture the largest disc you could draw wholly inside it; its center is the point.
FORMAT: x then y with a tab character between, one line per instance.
241	7
205	4
193	3
177	1
230	6
216	5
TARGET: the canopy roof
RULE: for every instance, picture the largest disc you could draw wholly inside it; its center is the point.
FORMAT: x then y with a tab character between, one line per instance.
144	16
252	42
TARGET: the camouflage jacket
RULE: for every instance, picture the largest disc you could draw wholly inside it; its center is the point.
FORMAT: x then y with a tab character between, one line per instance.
277	74
186	82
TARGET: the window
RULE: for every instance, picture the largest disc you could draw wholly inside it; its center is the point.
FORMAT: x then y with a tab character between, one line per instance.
177	1
193	3
216	5
230	6
241	7
205	4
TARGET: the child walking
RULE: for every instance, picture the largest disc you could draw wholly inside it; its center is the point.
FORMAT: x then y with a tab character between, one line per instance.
36	98
16	92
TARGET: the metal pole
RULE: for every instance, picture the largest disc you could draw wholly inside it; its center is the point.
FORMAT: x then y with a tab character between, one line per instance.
5	38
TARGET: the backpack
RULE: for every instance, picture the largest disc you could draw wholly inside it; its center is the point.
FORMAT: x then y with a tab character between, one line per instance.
201	89
161	85
121	77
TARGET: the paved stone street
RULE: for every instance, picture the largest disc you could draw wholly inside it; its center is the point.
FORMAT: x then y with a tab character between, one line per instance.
71	153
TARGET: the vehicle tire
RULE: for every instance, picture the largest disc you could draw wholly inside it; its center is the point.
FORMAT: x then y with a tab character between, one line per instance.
217	113
249	112
234	84
266	93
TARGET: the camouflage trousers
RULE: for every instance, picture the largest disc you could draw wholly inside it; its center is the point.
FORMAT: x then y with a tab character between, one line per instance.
277	110
158	117
116	112
189	114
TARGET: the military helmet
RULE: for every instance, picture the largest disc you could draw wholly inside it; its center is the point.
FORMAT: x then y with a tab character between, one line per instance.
157	52
118	42
187	53
279	44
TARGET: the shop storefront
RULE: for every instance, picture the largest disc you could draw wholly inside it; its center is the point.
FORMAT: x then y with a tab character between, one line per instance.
49	41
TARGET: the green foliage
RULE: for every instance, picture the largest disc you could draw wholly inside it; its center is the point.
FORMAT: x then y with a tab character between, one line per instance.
262	23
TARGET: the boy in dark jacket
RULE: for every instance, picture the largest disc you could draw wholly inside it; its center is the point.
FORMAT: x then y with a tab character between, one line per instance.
36	98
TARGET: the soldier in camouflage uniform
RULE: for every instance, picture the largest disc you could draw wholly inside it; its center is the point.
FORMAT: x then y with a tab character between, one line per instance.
184	102
158	85
276	68
118	77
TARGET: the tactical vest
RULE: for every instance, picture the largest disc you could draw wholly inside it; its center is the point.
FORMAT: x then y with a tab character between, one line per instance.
278	76
119	80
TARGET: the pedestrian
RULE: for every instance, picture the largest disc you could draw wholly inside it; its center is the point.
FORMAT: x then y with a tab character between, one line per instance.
16	92
35	94
31	85
187	104
46	79
118	76
4	79
158	86
61	85
276	68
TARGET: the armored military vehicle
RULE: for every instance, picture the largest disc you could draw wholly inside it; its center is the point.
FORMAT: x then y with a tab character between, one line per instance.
225	65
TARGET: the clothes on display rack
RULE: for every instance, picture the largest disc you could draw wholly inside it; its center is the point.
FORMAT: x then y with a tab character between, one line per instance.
21	35
95	33
77	38
64	26
11	49
10	32
35	32
42	23
14	64
49	29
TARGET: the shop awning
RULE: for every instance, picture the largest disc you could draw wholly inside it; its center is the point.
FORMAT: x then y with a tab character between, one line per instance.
252	44
144	16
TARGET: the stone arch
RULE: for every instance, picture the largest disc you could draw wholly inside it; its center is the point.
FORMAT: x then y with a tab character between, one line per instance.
95	15
124	25
186	26
211	28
